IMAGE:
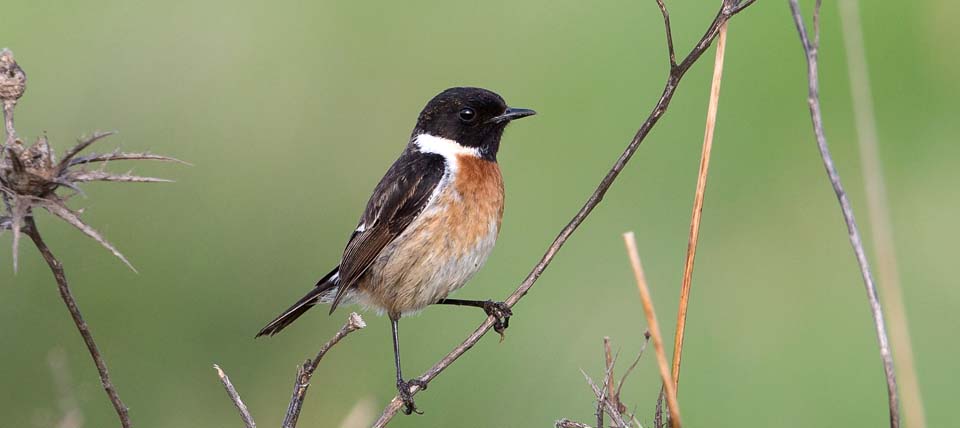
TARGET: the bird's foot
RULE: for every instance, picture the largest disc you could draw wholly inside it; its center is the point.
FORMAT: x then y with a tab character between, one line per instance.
501	312
404	389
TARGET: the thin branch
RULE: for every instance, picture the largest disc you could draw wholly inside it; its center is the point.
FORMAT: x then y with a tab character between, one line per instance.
698	203
305	372
235	397
666	23
668	383
878	212
810	51
57	268
609	407
670	87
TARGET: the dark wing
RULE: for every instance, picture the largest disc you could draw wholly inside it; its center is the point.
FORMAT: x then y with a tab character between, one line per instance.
401	195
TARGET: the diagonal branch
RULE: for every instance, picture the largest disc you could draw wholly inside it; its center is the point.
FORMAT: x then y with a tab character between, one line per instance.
235	397
727	11
810	50
65	294
305	372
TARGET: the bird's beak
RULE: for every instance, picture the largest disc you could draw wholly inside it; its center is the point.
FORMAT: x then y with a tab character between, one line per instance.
512	114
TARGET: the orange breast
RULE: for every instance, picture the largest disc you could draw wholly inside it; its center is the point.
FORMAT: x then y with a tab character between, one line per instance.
480	186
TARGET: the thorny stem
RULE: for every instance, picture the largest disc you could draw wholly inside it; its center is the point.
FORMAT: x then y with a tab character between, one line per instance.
813	99
727	11
57	268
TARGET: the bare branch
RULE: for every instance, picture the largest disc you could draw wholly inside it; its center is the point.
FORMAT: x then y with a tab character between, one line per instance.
235	397
59	210
305	372
659	109
666	23
698	203
609	407
813	99
57	268
669	384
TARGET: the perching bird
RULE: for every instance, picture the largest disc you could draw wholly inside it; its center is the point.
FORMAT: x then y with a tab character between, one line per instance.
430	223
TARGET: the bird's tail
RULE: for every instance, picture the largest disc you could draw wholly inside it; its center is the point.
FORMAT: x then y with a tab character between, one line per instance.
324	287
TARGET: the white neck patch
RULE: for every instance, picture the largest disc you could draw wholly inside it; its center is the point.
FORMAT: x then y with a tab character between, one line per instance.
449	149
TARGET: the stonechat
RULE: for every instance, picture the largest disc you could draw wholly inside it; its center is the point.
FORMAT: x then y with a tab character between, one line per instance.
431	222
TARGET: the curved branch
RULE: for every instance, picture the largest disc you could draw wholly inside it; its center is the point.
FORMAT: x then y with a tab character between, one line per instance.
727	11
57	268
810	50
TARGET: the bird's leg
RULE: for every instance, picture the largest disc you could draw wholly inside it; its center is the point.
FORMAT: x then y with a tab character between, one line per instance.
403	387
498	310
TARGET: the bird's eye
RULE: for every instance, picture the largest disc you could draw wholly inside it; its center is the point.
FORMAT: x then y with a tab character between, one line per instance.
468	115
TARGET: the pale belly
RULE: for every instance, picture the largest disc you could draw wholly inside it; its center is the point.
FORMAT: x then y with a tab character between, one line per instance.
434	257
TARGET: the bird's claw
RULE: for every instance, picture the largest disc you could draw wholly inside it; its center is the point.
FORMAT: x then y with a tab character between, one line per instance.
501	312
409	407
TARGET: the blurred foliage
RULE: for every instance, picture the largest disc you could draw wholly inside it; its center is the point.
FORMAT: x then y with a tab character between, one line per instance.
291	111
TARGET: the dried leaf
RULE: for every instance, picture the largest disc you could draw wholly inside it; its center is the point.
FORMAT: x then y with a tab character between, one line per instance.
58	209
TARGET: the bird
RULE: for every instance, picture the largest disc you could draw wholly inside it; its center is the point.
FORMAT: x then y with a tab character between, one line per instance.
430	223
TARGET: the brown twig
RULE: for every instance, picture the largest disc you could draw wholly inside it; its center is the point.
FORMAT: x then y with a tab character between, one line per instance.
235	397
729	9
668	383
57	268
698	203
888	277
810	49
305	372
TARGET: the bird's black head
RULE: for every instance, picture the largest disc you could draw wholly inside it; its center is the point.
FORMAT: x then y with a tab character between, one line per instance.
473	117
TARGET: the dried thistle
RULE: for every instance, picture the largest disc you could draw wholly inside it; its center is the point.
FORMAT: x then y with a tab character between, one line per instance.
31	176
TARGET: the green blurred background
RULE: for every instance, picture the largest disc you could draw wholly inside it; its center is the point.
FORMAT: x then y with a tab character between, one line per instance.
291	112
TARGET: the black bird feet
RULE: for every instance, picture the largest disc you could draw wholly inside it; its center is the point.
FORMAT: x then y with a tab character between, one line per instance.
404	389
501	312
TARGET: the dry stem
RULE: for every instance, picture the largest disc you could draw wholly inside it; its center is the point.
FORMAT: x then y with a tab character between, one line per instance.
669	384
810	49
729	9
698	203
888	277
57	268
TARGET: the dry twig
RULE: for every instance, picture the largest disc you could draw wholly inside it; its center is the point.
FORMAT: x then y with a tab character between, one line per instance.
302	382
305	372
57	268
668	383
235	397
729	9
810	49
888	277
